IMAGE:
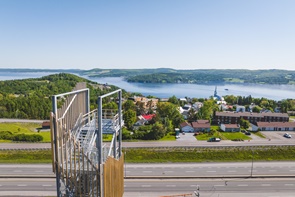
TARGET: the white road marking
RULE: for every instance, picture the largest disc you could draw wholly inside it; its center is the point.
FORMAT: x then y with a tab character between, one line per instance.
21	185
218	185
146	171
242	185
265	184
289	184
170	185
210	171
146	186
189	171
17	170
47	185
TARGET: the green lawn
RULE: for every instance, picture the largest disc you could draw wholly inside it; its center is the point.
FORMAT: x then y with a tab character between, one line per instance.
235	135
174	154
25	156
26	128
206	136
223	135
168	137
20	127
107	137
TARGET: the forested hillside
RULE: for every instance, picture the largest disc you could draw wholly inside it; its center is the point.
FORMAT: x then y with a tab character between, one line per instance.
218	76
31	98
198	76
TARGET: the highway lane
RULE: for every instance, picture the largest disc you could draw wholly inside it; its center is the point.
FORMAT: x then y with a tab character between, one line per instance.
231	169
212	188
223	143
26	170
154	188
27	187
22	120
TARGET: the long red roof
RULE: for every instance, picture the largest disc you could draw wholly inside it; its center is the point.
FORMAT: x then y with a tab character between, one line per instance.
149	116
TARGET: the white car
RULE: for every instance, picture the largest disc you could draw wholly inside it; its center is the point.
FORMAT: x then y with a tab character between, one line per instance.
287	135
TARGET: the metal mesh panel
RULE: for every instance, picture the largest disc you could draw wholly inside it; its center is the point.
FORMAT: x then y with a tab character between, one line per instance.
78	159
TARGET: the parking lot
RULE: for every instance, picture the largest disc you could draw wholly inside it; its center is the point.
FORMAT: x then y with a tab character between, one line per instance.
278	135
271	135
187	137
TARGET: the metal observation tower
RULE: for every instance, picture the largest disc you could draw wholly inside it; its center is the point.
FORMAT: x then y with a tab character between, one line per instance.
83	164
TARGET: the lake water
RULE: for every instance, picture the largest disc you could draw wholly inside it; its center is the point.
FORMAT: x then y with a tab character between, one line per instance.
275	92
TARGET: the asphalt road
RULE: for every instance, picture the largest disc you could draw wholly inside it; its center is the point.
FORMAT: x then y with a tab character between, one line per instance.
21	120
275	140
212	187
234	179
233	169
158	187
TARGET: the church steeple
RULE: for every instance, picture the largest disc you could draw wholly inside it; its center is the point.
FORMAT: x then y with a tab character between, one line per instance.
215	92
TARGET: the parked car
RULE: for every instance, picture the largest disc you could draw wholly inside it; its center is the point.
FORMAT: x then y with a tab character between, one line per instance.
287	135
177	136
247	133
214	139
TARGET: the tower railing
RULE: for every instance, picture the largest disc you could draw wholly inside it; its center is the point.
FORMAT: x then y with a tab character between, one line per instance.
78	158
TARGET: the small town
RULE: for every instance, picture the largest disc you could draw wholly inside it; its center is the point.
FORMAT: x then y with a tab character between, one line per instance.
147	98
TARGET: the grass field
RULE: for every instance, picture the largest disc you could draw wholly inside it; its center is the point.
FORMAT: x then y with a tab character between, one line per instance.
26	128
225	154
25	156
171	155
168	137
235	135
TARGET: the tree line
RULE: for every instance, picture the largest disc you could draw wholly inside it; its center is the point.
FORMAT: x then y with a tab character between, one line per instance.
31	98
217	76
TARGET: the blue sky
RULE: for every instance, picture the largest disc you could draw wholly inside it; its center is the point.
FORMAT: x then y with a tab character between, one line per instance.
182	34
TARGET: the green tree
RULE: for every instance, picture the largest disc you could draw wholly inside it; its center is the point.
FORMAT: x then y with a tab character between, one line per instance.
206	111
244	124
110	105
129	117
256	109
170	111
173	100
129	104
157	132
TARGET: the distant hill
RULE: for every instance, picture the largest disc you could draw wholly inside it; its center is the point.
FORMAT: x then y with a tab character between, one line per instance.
198	76
218	76
31	98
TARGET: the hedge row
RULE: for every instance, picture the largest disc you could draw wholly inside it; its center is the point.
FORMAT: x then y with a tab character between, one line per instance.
7	135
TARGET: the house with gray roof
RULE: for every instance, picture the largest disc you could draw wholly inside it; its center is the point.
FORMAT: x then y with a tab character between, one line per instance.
273	126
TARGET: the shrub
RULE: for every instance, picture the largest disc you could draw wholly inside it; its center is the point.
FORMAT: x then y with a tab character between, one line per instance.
6	135
27	138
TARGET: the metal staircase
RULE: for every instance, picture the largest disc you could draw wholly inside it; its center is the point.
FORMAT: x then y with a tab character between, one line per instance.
80	156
